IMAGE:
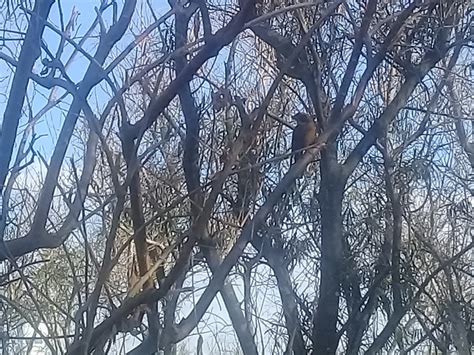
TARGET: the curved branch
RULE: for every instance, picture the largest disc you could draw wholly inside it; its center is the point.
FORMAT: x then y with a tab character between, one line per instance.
30	51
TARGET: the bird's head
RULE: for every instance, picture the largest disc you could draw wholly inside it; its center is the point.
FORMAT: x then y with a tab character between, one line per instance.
302	118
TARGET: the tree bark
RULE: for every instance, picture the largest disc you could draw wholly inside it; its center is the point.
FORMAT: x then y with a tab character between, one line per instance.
325	337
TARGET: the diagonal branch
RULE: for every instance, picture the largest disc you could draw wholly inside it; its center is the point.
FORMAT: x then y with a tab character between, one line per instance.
30	51
91	78
212	47
395	319
413	79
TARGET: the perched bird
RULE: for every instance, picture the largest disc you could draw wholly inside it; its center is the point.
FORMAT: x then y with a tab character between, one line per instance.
304	134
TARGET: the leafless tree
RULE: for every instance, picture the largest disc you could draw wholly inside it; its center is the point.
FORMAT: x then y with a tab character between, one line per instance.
149	202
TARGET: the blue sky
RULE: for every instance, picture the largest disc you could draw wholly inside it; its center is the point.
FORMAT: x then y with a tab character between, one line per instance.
49	125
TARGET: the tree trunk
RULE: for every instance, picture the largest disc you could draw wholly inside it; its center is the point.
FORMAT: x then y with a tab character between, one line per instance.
325	337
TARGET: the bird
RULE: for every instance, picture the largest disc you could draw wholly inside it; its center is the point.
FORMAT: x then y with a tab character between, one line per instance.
304	134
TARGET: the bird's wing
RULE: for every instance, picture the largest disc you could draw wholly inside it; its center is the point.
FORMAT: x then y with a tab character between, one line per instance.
296	140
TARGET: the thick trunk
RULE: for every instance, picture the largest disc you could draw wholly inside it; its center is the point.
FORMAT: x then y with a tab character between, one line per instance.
325	336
